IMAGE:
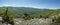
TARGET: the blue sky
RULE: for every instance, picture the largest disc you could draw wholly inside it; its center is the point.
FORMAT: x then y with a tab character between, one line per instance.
31	3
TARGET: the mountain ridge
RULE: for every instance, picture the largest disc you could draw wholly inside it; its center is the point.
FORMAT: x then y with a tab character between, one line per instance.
22	10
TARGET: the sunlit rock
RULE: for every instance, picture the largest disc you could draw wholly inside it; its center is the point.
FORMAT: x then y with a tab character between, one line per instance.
34	21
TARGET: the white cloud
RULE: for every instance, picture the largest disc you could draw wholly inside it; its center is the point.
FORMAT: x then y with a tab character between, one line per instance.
7	5
16	5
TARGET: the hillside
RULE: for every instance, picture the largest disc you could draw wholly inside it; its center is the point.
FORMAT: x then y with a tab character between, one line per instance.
47	13
33	12
21	10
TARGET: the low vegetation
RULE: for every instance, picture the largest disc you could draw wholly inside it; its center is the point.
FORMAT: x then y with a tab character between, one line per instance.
54	14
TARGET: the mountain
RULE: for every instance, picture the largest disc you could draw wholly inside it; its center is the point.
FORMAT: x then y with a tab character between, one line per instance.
21	10
33	12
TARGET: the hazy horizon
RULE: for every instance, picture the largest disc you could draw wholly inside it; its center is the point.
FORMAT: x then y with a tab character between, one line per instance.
49	4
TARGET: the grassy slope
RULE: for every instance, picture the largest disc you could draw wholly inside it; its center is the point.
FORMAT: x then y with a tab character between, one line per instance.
19	11
47	12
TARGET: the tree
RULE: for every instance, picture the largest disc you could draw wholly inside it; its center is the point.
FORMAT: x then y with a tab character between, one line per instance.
26	16
40	16
6	18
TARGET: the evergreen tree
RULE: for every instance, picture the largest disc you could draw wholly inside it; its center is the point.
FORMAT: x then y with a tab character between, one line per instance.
6	18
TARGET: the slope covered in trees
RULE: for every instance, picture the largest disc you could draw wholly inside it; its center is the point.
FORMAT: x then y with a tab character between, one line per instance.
19	11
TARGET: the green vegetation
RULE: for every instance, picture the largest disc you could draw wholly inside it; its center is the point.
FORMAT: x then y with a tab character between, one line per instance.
33	12
30	13
19	11
50	13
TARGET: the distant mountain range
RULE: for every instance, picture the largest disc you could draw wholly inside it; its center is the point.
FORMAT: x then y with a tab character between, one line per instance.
21	10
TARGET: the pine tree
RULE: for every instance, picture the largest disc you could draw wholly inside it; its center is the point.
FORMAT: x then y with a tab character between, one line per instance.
6	18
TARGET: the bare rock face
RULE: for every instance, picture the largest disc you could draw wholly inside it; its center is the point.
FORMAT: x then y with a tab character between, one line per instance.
0	18
34	21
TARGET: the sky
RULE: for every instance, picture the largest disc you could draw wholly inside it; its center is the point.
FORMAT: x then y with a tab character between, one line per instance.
31	3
